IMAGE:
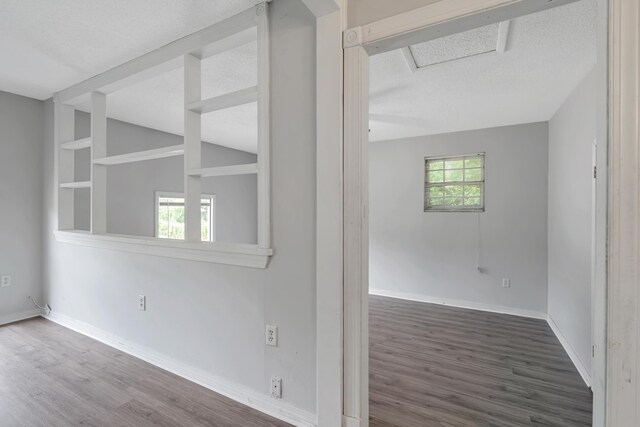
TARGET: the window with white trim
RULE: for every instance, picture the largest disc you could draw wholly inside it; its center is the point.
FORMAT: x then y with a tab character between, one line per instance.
454	183
170	216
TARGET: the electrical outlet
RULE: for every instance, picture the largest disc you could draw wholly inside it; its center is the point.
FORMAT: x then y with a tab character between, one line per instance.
5	281
272	336
142	303
276	387
506	283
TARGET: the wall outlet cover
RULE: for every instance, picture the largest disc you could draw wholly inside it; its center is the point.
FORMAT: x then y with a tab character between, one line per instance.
276	387
506	283
142	303
5	281
272	335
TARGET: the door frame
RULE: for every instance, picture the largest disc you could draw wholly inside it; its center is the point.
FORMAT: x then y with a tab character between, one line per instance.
616	338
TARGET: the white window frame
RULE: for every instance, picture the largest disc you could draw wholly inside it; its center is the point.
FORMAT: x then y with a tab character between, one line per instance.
448	208
175	195
187	52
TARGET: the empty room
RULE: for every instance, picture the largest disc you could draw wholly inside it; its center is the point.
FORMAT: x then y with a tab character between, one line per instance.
319	213
482	200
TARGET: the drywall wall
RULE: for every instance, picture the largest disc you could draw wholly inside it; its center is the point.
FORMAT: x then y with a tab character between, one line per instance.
21	133
361	12
433	255
572	131
131	187
207	316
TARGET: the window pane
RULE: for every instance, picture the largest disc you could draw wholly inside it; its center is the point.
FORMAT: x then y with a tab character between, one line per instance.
435	176
204	222
453	201
176	222
453	175
435	201
436	191
473	162
435	165
453	190
453	164
472	201
473	175
472	190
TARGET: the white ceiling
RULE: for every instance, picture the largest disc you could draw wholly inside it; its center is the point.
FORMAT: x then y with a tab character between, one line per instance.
547	56
48	45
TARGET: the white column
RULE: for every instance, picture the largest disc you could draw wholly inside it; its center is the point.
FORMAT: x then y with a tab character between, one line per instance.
264	209
192	148
356	237
623	356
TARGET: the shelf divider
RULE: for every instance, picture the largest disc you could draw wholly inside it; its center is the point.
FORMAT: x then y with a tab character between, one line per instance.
140	156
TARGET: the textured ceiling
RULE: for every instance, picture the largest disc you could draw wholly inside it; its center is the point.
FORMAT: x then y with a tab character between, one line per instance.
54	44
48	45
547	55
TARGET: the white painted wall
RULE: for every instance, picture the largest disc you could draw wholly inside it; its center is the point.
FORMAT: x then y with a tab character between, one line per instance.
131	187
433	255
361	12
572	131
210	316
21	133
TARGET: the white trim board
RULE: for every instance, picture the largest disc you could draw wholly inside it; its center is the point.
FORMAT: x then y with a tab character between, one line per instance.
16	317
461	304
276	408
582	370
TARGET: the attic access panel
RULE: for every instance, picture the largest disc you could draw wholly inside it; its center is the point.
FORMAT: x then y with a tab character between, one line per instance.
456	46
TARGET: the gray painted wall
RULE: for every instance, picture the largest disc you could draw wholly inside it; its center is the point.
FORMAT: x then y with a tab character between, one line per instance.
572	131
433	254
21	133
131	187
212	316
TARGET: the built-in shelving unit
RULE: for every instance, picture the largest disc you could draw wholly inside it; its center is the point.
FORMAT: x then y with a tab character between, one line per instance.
187	52
140	156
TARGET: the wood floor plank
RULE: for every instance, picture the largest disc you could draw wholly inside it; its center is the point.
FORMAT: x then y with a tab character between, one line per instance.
434	365
52	376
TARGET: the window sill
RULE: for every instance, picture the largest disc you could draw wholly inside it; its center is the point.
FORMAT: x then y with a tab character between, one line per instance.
239	254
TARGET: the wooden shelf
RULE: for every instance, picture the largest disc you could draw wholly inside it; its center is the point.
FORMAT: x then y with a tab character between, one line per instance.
228	100
80	184
140	156
246	169
78	144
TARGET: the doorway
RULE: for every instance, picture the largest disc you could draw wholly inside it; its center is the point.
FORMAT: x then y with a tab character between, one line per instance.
379	38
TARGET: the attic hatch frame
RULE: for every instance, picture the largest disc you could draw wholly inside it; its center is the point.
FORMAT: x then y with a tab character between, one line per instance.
189	52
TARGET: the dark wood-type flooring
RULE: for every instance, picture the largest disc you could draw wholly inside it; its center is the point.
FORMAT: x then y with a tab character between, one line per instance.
433	365
52	376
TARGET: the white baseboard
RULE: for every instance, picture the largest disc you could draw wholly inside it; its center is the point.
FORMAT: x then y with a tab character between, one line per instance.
242	394
582	370
15	317
460	304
